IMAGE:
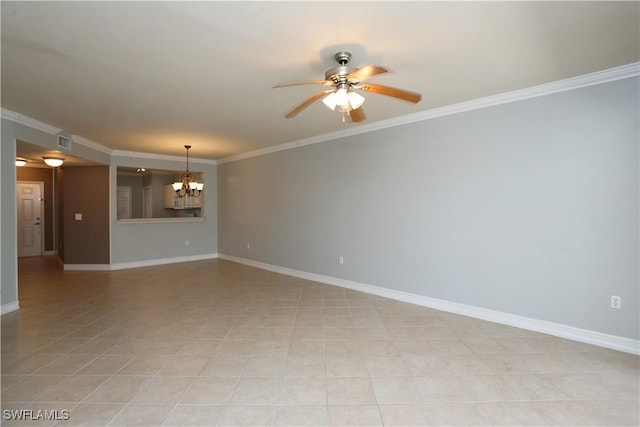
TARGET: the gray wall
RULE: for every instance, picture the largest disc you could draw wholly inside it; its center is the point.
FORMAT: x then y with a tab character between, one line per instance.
8	230
135	183
12	131
157	195
128	242
529	208
135	241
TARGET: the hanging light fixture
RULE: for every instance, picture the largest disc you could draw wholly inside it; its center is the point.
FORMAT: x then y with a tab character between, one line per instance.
20	162
54	162
188	186
343	99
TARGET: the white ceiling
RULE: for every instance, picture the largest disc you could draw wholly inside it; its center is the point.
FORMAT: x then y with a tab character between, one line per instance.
153	76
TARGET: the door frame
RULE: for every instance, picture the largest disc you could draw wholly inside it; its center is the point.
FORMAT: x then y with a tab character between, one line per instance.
42	212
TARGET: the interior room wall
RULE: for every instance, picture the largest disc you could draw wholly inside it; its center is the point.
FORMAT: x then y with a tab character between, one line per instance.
86	238
157	193
60	211
11	131
8	229
193	238
528	208
135	183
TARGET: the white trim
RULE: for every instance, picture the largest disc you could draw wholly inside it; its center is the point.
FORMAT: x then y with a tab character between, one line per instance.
626	345
9	307
152	220
137	264
91	144
87	267
151	156
152	262
28	121
599	77
50	253
52	130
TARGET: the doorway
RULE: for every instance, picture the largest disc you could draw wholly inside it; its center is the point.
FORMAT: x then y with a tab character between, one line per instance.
30	218
147	202
123	196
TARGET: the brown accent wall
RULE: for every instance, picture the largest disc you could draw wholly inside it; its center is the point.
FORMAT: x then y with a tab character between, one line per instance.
86	192
44	175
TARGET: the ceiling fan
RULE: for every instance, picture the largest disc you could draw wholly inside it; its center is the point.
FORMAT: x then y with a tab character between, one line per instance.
345	81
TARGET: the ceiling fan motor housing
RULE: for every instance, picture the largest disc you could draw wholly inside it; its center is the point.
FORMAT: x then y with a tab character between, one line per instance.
339	74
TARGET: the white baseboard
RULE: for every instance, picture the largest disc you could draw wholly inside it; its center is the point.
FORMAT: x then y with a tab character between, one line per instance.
136	264
152	262
626	345
49	253
87	267
9	307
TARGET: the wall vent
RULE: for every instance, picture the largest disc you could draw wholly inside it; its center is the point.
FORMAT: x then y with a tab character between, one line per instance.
64	141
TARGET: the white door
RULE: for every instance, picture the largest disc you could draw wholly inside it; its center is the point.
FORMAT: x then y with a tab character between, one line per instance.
29	219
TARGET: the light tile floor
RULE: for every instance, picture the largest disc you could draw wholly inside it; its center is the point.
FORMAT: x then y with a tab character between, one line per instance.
218	343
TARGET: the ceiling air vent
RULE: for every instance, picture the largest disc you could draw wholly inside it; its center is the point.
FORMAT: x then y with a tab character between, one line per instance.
64	141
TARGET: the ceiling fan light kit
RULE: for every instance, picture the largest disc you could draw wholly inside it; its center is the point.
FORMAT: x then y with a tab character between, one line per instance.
345	81
343	100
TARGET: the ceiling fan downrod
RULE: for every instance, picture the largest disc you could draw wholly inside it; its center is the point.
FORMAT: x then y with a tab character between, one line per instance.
342	58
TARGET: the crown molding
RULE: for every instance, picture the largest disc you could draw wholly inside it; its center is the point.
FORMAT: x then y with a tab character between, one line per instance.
28	121
591	79
51	130
151	156
91	144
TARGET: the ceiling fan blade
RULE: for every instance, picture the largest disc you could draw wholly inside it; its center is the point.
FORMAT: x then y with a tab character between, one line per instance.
366	72
317	82
306	103
357	115
391	91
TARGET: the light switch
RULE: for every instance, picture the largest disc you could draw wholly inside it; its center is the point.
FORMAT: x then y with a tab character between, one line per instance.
78	217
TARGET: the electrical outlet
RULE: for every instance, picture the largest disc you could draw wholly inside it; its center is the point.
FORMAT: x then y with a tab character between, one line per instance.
616	301
248	245
186	243
341	260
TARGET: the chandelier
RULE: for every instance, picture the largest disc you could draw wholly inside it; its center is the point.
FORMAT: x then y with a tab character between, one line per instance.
188	186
